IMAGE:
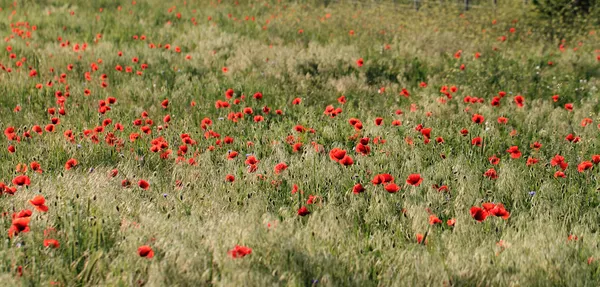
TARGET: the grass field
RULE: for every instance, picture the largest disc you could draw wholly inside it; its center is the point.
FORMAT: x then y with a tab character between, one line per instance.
198	143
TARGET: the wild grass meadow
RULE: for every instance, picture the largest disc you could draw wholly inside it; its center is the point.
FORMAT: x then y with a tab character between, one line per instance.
298	143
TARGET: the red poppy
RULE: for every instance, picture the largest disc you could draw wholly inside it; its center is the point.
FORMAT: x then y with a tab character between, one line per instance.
363	149
239	251
232	154
420	238
19	224
145	251
476	141
531	161
229	178
500	211
519	100
391	188
572	138
346	161
585	165
514	152
70	163
360	62
35	166
451	222
434	220
21	180
569	107
382	179
426	132
478	119
51	243
39	203
491	173
143	184
337	154
303	211
280	167
414	179
358	188
478	213
494	160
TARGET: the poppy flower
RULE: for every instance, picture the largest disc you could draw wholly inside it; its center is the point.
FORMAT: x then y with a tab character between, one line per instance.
426	132
145	251
337	154
569	107
451	222
514	152
378	121
433	220
358	188
420	238
280	167
229	178
232	154
414	179
239	251
491	173
143	184
585	165
478	213
296	101
39	203
363	149
35	166
303	211
251	160
560	174
360	62
500	211
572	138
557	160
382	179
478	119
21	180
519	100
70	163
476	141
346	161
51	243
531	161
391	188
19	224
494	160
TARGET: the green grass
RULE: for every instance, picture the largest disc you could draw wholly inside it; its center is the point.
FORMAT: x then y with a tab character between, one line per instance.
191	216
